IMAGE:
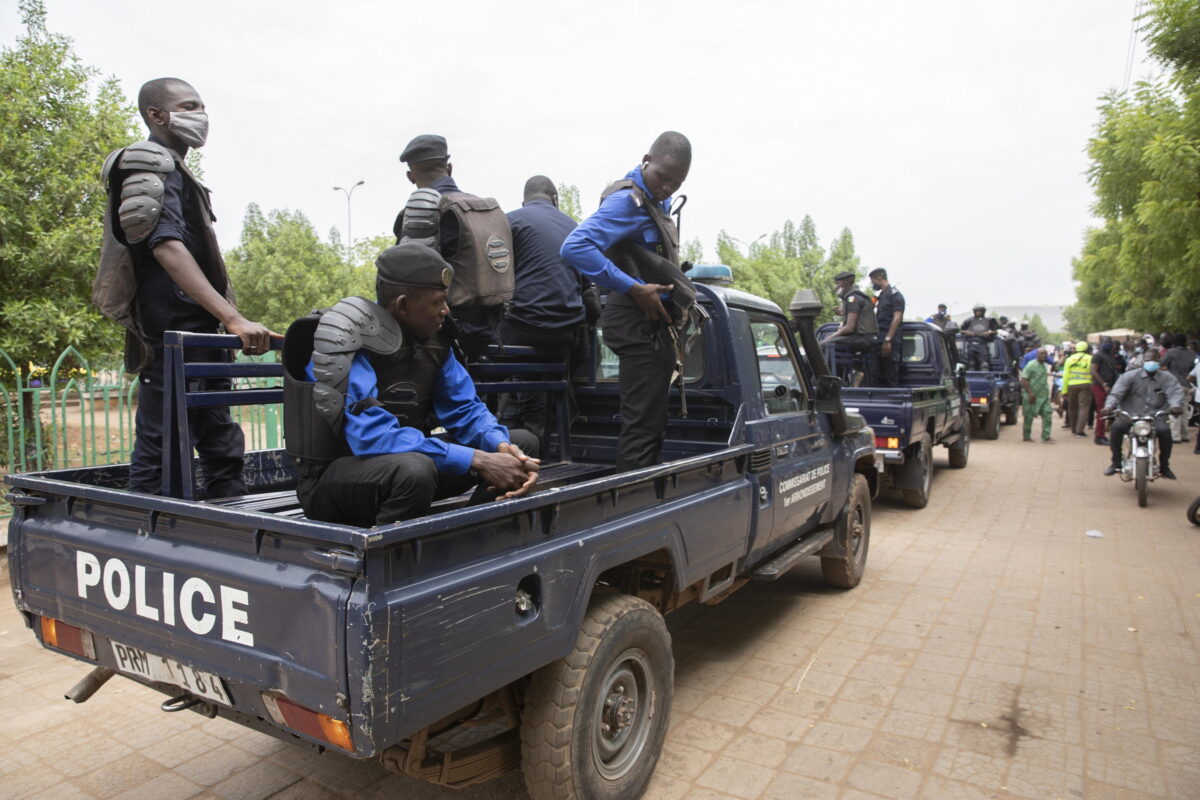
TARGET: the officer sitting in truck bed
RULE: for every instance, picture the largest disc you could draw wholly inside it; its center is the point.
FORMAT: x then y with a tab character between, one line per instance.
381	377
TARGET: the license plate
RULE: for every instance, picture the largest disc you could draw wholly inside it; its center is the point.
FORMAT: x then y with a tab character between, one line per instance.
135	661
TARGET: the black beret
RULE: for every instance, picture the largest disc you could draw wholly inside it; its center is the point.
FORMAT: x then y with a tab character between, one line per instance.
425	147
843	275
413	264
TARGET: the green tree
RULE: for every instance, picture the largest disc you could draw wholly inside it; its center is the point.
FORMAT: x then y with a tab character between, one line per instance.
568	201
57	125
692	251
791	258
1141	267
282	270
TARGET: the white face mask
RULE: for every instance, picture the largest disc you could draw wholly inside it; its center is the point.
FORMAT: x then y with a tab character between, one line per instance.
190	126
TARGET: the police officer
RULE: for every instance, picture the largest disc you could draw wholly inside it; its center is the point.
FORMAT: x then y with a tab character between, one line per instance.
978	330
858	329
609	248
394	397
1145	390
161	269
940	318
889	312
470	232
547	309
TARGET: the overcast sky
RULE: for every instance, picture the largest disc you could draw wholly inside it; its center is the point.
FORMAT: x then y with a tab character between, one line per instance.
948	135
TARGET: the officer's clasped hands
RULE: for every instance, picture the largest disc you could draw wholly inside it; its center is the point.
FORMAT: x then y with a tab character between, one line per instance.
507	472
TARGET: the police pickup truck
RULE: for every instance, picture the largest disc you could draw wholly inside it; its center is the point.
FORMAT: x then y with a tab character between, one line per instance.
928	408
995	392
527	632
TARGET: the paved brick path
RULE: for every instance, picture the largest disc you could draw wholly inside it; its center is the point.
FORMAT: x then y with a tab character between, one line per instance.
992	651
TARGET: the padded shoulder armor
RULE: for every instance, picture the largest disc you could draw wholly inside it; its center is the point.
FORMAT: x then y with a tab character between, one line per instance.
147	156
419	219
351	325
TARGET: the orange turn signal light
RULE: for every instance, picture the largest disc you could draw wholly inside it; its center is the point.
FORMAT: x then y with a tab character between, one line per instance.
310	723
981	400
66	637
887	442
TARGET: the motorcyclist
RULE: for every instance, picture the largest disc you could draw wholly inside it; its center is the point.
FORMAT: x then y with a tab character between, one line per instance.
1142	392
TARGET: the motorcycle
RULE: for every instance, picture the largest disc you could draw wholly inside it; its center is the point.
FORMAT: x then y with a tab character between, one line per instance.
1139	451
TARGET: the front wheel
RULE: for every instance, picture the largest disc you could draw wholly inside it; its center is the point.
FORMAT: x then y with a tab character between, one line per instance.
991	423
1140	470
594	722
853	533
1010	414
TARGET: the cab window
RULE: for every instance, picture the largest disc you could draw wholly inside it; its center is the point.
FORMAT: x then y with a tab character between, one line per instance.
914	348
693	365
779	376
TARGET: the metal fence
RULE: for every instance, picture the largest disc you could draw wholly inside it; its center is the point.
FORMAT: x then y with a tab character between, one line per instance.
72	414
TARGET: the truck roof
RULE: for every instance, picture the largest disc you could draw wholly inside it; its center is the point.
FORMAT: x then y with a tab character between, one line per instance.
740	299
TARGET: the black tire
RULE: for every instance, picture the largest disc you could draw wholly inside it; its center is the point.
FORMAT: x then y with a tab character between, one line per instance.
1193	512
919	497
1010	415
991	424
620	674
960	450
854	533
1141	468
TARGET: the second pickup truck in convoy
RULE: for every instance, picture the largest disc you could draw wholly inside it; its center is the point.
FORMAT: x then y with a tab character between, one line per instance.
929	407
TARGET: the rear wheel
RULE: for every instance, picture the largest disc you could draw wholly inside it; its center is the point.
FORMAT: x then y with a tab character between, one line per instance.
1010	414
1193	512
1140	469
961	449
854	534
991	423
919	497
594	722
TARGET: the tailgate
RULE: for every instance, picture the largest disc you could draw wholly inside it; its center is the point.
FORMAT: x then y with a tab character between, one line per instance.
205	589
888	412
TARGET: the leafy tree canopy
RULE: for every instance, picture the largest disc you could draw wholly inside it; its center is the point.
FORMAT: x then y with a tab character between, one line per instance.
1141	267
57	125
282	270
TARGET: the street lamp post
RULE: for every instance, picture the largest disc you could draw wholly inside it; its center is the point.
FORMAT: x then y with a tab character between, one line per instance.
349	194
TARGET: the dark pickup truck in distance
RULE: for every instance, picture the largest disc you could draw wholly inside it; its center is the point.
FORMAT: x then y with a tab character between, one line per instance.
929	407
995	392
523	633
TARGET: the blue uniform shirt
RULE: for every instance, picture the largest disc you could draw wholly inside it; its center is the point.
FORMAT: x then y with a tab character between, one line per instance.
376	431
617	219
548	293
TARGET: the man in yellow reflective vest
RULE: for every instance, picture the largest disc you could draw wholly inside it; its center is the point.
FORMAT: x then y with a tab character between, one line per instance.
1077	383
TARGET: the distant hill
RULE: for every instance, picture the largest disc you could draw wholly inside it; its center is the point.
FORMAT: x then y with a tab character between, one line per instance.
1052	316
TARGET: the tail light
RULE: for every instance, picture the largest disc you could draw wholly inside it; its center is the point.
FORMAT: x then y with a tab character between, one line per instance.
310	723
983	401
887	442
62	636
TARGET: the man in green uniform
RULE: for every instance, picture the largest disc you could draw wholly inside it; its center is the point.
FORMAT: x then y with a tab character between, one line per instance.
1035	382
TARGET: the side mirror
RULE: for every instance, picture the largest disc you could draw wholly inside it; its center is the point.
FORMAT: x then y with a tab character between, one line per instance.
829	395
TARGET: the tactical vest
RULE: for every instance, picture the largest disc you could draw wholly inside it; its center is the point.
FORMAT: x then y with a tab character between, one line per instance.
866	318
977	325
407	379
668	234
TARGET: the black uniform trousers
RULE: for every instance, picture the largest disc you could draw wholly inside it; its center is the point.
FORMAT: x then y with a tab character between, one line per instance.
978	358
889	365
1162	431
647	359
528	409
216	437
377	490
866	349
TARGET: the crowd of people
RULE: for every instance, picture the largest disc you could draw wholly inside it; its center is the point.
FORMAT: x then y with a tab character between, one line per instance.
1090	382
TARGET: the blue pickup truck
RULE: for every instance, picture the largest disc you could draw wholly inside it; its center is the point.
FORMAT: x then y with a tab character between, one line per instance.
995	392
478	639
928	408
